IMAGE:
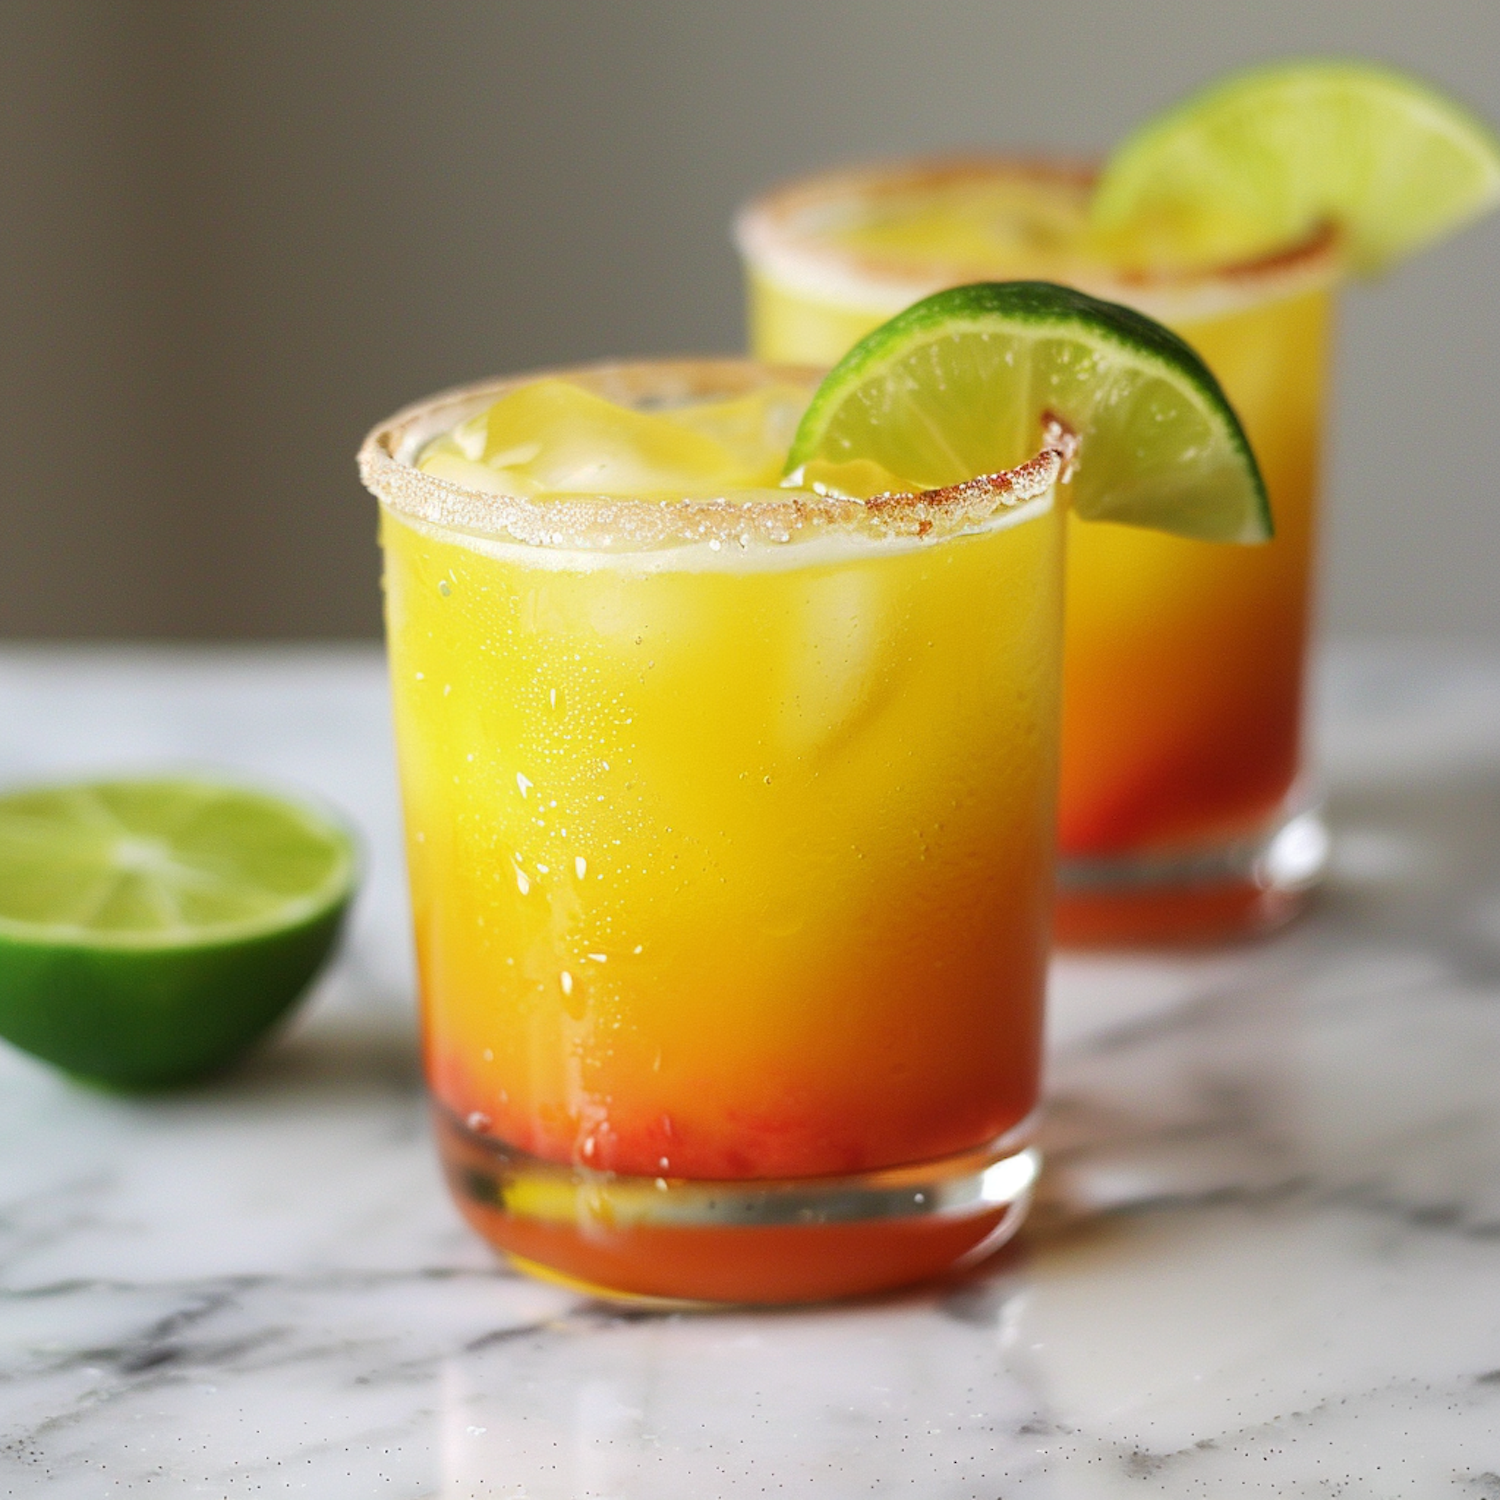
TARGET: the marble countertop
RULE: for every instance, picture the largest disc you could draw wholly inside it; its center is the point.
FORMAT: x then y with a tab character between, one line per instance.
1267	1259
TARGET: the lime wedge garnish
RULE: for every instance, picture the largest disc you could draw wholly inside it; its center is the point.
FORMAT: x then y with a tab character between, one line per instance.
151	930
961	383
1258	162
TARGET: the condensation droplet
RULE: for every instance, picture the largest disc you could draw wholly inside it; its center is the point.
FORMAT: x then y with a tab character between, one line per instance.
566	980
523	783
479	1122
580	866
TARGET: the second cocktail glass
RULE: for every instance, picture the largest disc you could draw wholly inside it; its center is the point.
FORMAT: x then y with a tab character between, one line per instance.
1184	808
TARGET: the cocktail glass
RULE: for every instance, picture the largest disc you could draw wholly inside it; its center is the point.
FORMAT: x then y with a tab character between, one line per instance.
730	828
1185	807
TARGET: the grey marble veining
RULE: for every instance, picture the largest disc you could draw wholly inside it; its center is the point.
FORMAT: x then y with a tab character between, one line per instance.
1266	1260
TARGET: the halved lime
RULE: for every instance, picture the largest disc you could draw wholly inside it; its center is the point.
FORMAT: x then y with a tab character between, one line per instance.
960	384
151	930
1258	162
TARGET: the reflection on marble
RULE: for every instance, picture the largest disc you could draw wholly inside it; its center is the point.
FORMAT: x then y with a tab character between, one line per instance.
1266	1261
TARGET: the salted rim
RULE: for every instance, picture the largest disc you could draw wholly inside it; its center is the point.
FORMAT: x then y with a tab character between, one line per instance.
778	234
612	524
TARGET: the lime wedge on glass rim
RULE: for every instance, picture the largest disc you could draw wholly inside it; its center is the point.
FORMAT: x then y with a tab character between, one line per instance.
1259	161
151	930
961	384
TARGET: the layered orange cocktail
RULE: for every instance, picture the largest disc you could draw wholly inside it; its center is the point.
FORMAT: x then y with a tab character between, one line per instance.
730	821
1183	809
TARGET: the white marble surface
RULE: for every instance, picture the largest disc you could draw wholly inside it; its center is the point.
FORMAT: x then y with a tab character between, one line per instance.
1268	1262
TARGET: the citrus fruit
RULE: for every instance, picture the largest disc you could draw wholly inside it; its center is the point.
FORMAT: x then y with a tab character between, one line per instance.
151	930
960	384
1259	161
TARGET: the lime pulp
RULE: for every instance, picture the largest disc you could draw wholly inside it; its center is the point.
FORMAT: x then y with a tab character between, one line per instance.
1261	160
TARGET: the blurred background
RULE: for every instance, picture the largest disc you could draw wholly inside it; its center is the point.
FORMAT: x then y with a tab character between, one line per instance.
235	235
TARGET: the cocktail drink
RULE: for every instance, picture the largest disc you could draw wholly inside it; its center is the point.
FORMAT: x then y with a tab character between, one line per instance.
1181	804
730	828
1185	810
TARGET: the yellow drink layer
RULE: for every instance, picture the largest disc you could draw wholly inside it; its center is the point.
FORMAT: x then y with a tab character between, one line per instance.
1182	660
968	224
554	437
729	857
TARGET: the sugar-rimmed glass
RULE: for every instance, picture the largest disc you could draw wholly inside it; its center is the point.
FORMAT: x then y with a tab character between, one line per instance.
1185	807
730	833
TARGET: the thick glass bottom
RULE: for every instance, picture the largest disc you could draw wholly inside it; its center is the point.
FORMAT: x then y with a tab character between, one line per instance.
752	1241
1242	888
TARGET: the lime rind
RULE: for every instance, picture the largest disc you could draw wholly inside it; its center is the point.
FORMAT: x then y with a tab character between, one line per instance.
960	382
61	843
1262	159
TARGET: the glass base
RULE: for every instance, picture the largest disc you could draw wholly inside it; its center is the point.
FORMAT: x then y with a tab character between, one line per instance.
1239	889
753	1241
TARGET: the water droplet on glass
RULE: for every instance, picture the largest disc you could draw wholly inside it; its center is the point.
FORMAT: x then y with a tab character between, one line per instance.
479	1122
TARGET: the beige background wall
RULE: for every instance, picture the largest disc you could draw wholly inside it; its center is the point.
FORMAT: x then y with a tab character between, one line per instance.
236	233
